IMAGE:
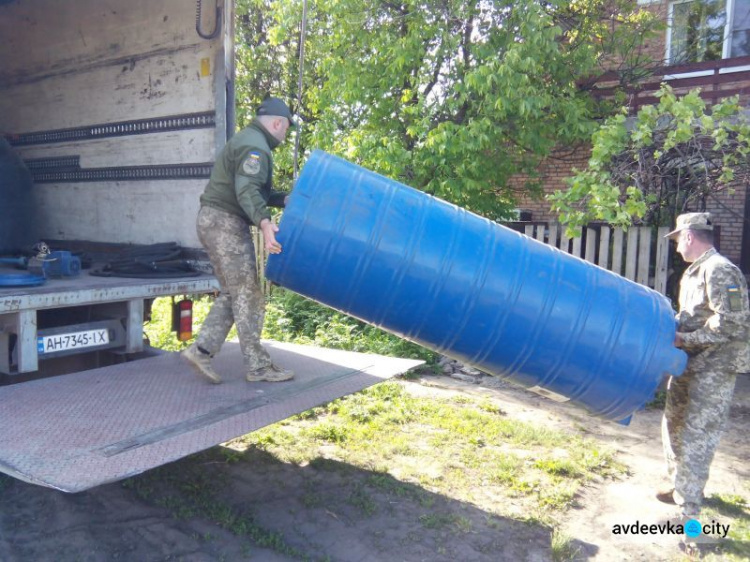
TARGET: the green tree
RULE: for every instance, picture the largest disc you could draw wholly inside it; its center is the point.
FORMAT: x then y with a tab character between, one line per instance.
453	97
672	157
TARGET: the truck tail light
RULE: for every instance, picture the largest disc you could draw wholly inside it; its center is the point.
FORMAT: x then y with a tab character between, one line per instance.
182	319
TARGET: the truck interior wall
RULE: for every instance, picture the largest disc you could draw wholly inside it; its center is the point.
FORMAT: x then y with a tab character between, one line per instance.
181	146
84	63
119	214
168	200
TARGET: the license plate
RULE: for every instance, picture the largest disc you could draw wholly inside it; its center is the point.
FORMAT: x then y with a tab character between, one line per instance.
74	340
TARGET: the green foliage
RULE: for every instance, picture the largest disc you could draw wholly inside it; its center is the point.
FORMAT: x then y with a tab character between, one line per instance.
158	329
670	158
452	97
292	318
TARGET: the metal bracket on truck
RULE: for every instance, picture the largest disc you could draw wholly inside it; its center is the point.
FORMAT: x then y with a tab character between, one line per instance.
110	304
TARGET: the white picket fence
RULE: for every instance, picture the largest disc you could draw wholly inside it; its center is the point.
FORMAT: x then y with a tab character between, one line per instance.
634	253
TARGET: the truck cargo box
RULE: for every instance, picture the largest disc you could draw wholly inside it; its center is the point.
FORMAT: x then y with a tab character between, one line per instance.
111	116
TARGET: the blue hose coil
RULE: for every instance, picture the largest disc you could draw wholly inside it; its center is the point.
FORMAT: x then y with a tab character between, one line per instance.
471	289
21	280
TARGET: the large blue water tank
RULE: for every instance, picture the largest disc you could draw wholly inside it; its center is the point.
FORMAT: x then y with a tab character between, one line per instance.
464	286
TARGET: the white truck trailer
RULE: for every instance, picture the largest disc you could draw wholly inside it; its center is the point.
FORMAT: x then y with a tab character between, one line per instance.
117	110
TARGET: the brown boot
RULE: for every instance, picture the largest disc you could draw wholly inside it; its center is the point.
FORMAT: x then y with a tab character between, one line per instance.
272	373
666	496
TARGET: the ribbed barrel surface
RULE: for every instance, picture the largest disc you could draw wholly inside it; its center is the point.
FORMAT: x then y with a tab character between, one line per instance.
471	289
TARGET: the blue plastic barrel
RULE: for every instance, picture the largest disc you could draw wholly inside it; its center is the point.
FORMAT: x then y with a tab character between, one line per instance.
469	288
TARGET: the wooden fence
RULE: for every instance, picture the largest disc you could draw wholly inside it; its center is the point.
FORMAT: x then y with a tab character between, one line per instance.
634	254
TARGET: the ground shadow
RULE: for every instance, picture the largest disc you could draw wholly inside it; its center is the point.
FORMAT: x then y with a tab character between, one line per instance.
225	505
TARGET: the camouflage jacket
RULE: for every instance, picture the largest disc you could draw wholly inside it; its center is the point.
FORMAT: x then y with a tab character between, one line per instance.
714	316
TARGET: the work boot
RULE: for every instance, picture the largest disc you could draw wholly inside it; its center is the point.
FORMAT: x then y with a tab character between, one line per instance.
693	533
271	373
202	363
690	511
666	496
691	549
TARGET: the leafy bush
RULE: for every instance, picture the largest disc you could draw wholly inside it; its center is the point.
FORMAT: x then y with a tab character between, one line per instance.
292	318
158	329
295	319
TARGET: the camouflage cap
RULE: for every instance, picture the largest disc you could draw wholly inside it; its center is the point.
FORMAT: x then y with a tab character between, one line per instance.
692	221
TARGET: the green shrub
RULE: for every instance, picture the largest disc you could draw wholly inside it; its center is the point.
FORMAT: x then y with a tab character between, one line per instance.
295	319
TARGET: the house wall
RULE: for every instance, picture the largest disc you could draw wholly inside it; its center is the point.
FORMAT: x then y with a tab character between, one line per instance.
656	47
728	210
727	213
554	171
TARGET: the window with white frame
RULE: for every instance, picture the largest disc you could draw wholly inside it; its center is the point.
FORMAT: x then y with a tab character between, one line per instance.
703	30
740	29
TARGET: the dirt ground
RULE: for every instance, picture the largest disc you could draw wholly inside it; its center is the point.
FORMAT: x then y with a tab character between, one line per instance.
271	511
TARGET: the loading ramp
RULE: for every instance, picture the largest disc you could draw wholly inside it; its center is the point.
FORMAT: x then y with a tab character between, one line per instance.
82	430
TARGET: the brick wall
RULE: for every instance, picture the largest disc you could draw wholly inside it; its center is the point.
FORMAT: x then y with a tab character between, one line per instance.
553	173
656	47
725	214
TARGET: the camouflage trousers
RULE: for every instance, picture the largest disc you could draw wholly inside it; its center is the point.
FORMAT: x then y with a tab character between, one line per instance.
695	415
226	239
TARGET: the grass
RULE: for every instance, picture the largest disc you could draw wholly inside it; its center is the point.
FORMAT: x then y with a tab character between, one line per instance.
292	318
387	448
659	400
410	449
562	547
732	509
158	330
362	500
187	489
444	520
458	447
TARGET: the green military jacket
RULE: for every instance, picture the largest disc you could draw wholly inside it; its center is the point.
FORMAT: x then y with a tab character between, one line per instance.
714	316
241	181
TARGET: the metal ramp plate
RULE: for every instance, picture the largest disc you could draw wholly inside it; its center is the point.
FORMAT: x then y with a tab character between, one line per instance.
81	430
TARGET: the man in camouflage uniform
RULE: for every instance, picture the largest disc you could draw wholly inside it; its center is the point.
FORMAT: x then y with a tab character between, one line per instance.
713	328
237	196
